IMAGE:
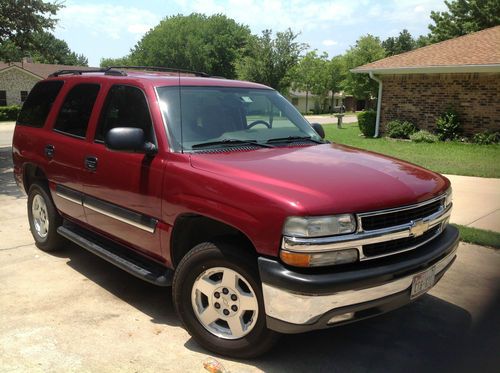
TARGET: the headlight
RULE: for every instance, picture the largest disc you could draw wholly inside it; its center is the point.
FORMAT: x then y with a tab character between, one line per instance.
449	197
319	226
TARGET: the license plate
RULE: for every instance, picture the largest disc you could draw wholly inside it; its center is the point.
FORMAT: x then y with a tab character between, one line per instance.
423	282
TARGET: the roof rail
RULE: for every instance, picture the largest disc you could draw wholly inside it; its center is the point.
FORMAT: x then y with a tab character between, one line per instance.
161	68
105	70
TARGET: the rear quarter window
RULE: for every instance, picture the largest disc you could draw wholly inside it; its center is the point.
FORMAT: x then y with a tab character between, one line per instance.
37	106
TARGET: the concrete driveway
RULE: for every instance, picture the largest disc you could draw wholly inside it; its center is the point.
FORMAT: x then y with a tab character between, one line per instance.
71	311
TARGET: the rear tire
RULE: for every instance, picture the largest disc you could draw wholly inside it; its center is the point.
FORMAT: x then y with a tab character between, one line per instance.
44	219
218	297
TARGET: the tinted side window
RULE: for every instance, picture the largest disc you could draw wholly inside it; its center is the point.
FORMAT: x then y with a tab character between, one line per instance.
37	106
125	106
76	109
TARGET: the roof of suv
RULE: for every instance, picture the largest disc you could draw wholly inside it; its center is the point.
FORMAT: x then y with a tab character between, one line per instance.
162	79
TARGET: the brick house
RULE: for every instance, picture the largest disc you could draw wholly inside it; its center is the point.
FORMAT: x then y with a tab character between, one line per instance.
461	73
17	79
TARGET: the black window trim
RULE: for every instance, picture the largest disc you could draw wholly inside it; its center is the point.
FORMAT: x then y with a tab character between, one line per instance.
62	104
101	142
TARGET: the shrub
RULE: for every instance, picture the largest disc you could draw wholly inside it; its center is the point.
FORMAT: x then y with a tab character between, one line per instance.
423	136
398	129
9	112
486	138
448	126
366	122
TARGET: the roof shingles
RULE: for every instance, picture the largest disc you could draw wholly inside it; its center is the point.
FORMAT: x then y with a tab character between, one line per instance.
479	48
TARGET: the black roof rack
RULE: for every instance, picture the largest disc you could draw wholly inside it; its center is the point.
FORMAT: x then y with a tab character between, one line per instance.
161	68
113	70
105	70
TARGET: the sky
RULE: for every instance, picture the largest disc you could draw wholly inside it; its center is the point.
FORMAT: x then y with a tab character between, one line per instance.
110	28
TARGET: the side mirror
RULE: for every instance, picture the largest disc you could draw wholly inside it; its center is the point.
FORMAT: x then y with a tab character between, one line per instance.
128	139
319	129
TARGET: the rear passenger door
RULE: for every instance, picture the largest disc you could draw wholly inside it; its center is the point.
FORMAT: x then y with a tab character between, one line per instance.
123	190
66	147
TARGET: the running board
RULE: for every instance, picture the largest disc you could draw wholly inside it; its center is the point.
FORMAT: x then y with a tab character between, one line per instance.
120	256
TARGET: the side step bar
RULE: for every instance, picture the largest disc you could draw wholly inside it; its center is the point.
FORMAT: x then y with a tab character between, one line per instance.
121	257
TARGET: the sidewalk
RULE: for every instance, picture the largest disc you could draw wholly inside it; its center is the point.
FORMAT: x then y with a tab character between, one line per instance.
329	119
476	202
6	132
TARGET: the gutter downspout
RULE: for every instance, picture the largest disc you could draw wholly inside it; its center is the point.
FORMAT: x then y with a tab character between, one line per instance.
379	102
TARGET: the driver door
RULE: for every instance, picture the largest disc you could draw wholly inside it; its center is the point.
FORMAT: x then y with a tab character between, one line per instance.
123	190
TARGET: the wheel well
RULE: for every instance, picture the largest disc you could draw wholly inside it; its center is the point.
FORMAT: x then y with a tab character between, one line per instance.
190	230
32	173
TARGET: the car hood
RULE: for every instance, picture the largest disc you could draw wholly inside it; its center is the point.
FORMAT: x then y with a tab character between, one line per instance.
324	179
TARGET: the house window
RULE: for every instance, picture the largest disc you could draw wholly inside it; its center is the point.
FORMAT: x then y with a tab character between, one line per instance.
24	95
3	98
295	101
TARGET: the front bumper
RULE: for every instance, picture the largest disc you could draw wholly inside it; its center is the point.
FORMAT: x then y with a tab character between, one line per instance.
301	301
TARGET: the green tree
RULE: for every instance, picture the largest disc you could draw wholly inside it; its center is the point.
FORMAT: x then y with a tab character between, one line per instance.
271	61
337	72
195	42
404	42
44	48
311	75
464	17
121	61
21	20
367	49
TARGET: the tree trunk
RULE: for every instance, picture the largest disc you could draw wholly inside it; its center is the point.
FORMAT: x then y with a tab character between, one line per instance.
307	97
331	105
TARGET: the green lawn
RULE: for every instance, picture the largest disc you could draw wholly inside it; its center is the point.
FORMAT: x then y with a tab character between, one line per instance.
443	157
479	236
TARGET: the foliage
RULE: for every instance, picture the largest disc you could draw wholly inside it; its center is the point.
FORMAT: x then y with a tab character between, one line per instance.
311	75
400	129
121	61
464	17
486	138
450	157
367	49
271	61
423	136
336	74
479	236
404	42
44	48
21	20
448	125
9	112
366	122
211	44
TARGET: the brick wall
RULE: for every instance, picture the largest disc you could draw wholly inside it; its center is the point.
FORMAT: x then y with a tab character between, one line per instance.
14	81
421	98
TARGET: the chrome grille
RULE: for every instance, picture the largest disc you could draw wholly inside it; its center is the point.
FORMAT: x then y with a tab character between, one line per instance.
402	244
403	216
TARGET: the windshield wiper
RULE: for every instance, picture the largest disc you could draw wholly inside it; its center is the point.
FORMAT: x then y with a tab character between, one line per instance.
230	142
293	139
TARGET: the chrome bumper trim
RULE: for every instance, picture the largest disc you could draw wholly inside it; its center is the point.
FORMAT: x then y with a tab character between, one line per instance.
357	240
305	309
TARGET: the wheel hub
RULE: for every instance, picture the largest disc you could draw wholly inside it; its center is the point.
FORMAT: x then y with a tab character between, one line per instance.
226	301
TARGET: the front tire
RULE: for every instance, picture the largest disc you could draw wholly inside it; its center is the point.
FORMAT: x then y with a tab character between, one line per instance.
43	219
218	297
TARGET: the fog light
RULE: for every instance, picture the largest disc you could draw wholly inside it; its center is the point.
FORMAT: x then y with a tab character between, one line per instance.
319	259
342	317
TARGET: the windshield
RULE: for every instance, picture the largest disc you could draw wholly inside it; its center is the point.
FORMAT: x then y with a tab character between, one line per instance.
199	117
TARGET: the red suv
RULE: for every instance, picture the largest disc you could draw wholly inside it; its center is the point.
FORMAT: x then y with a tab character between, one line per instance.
222	190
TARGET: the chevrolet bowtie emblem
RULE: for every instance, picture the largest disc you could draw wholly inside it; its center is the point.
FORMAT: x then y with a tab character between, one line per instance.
418	228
